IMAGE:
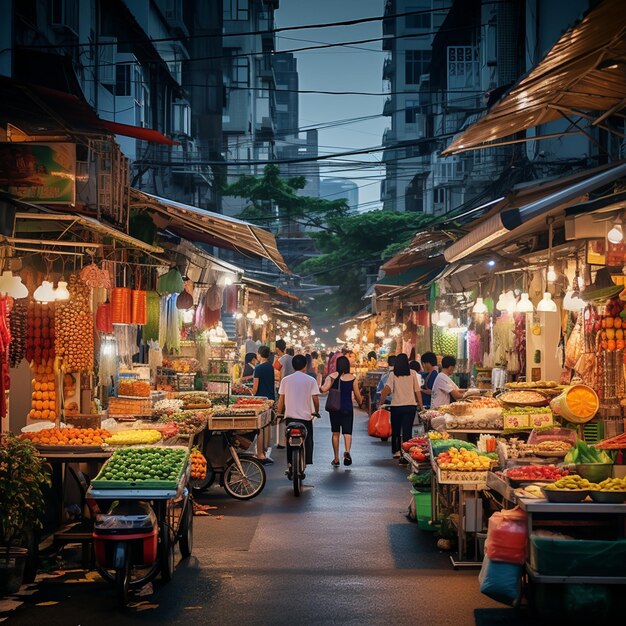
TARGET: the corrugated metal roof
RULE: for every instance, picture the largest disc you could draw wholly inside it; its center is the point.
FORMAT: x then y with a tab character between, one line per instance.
583	74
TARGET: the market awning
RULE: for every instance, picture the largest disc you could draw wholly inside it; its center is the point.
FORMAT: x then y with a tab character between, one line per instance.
268	288
40	111
425	245
520	211
30	225
210	228
582	76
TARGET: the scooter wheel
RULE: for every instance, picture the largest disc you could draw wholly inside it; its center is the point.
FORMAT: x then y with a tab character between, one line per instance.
122	582
186	531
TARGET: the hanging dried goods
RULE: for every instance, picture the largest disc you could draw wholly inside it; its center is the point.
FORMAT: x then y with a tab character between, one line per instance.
40	332
18	326
74	329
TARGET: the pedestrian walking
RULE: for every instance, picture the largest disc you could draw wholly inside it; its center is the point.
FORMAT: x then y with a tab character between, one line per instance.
263	386
403	383
342	420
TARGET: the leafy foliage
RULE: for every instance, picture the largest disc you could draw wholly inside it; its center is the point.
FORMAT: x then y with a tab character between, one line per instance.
22	478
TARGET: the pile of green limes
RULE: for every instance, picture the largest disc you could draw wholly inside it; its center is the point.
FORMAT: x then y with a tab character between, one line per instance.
137	464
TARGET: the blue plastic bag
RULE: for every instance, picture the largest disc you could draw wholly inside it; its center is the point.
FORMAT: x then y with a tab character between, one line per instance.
501	581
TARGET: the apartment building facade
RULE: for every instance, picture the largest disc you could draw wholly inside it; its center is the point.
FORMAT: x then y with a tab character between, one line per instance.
466	55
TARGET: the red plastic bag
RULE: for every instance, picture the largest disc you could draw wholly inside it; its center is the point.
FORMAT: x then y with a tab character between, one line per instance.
379	425
507	537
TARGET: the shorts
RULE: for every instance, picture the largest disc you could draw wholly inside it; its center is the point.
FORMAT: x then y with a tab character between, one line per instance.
341	421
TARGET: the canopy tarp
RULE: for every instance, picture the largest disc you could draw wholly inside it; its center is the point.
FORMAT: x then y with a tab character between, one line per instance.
582	76
210	228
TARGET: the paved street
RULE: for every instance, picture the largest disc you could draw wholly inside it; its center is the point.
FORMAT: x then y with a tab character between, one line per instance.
343	553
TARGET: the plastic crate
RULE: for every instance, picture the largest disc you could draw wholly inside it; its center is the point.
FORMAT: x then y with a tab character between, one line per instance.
423	509
576	557
593	432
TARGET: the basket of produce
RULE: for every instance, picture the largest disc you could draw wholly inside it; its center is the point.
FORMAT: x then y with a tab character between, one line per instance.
143	437
577	404
523	398
609	491
143	468
68	439
534	474
567	489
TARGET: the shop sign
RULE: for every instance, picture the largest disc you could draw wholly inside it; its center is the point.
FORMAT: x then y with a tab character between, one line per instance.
39	172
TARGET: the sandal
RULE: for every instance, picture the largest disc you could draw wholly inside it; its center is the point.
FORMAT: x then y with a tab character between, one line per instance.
347	459
335	463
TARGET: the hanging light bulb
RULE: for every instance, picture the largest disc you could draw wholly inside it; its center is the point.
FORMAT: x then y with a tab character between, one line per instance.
238	315
480	308
444	319
573	302
380	334
13	285
524	305
547	304
251	315
61	292
45	292
264	317
551	275
228	280
616	234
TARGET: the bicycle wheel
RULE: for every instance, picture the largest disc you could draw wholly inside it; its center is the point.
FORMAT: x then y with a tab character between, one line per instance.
186	531
296	471
246	484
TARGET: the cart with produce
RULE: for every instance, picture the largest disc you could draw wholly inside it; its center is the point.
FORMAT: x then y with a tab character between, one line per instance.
230	432
146	509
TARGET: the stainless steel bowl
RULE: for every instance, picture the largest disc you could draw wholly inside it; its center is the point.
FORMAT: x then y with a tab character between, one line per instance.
594	472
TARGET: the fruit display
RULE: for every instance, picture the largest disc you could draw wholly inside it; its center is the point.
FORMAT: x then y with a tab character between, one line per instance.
18	327
572	482
434	435
169	405
610	484
611	327
198	464
444	445
532	473
418	448
68	436
74	328
44	395
188	422
134	437
183	365
463	460
195	400
139	465
40	333
135	388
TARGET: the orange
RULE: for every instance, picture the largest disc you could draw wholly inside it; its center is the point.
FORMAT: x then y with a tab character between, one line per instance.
39	405
617	322
611	345
619	344
37	386
45	414
608	321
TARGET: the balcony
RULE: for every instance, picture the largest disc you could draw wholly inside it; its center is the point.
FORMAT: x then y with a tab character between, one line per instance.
448	171
388	107
389	136
388	69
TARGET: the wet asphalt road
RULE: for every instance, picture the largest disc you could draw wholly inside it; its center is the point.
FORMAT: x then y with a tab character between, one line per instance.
343	553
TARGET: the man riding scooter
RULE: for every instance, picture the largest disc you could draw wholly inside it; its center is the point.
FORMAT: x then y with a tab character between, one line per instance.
298	401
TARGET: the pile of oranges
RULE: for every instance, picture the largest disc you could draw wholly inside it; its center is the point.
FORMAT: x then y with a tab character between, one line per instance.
68	436
44	396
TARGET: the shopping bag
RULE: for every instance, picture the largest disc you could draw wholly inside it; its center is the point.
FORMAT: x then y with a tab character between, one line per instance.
379	425
501	581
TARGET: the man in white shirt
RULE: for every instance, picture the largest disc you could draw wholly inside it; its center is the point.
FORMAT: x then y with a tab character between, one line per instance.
444	388
298	399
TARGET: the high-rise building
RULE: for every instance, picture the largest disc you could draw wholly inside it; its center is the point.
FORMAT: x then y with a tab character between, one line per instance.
338	188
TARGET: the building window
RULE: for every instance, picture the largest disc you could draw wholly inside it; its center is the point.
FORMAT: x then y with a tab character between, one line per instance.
415	64
411	111
236	10
123	72
419	20
241	71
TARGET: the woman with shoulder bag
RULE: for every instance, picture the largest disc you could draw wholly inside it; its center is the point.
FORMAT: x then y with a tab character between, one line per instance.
341	386
404	385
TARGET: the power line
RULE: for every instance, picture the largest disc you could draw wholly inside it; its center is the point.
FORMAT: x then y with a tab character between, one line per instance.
221	34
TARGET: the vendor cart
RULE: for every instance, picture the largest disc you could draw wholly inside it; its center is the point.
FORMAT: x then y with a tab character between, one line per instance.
135	540
224	444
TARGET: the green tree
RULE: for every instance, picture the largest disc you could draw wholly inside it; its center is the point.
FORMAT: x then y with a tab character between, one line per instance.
351	247
273	200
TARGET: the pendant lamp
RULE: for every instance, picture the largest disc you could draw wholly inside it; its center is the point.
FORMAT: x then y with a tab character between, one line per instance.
524	305
61	292
45	292
480	307
547	304
13	285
